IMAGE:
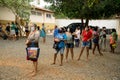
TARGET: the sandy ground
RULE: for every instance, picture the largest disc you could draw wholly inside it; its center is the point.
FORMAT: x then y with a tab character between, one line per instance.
14	66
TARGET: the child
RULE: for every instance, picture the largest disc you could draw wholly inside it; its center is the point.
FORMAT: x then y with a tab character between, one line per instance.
86	36
113	39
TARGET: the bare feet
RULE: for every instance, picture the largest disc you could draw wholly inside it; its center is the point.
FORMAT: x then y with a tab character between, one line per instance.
61	64
53	63
101	54
78	59
66	60
33	74
31	71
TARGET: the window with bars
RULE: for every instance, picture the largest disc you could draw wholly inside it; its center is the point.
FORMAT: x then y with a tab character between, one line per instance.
48	15
38	13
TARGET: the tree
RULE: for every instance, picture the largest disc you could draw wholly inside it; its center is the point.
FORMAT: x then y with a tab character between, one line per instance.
86	9
20	8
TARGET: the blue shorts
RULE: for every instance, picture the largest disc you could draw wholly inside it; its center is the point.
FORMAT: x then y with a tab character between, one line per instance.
69	45
61	51
86	44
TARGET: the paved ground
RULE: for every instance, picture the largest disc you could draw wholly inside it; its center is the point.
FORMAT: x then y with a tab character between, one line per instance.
14	66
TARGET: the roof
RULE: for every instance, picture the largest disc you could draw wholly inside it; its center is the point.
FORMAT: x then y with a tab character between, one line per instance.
42	9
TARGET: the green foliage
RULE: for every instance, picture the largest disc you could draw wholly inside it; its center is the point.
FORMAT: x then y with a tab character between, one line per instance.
20	8
88	9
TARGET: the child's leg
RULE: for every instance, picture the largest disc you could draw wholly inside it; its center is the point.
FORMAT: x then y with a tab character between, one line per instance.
61	60
94	49
72	54
99	50
82	49
67	51
87	49
111	47
55	56
61	53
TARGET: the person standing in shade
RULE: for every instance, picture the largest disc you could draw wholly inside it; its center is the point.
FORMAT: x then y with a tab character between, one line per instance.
13	26
69	44
27	29
17	31
113	40
43	33
96	41
103	39
8	28
86	36
60	40
77	37
33	38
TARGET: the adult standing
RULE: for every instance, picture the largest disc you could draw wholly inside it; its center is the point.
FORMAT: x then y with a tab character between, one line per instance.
60	40
96	40
33	41
13	26
103	39
86	36
77	37
27	29
69	44
43	33
8	28
113	40
17	31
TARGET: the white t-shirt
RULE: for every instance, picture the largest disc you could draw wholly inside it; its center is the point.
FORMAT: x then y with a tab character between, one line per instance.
77	34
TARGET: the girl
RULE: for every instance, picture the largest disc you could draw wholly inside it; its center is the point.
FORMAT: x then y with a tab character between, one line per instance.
86	36
113	40
96	40
69	44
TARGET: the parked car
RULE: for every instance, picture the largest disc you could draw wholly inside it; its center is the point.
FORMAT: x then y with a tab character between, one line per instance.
74	26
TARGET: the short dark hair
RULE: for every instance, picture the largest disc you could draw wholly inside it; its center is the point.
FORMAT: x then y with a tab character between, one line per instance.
113	30
12	22
38	27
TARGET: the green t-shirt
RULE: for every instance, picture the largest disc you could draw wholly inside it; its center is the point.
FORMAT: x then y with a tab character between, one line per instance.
13	26
115	36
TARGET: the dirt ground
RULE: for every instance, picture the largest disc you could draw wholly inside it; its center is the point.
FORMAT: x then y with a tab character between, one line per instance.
14	66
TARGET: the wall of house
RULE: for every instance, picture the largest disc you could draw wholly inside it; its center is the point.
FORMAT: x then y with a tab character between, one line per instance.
6	14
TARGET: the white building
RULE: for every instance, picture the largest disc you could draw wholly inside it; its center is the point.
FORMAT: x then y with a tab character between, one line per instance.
38	16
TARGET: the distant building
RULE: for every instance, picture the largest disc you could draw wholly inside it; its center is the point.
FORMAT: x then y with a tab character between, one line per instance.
38	16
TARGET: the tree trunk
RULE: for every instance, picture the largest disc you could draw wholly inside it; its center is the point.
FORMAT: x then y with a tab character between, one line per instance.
86	23
82	22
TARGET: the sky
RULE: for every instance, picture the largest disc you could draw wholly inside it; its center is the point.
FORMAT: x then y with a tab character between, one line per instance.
42	3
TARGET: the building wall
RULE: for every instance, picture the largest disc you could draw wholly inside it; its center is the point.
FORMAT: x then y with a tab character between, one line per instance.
6	16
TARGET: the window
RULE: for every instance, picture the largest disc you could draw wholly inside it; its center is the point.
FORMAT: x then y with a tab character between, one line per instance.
39	13
48	15
33	12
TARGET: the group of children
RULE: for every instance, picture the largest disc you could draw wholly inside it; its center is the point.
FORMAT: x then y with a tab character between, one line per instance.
65	38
